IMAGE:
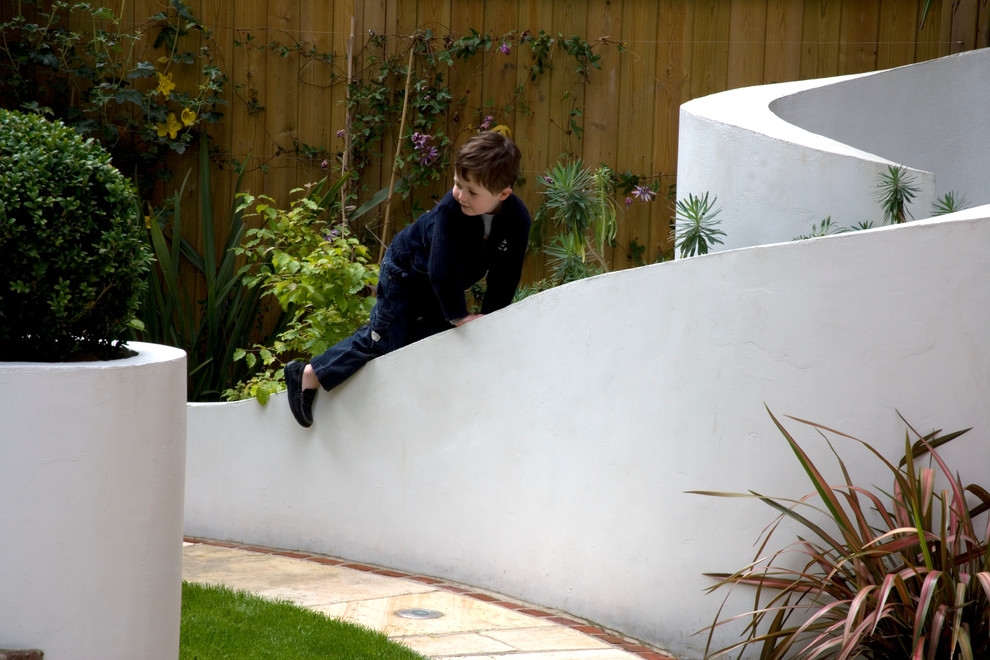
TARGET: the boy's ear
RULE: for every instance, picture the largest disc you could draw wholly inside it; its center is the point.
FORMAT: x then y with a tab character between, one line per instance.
504	195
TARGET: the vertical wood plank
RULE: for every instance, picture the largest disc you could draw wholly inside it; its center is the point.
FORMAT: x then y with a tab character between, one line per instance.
218	17
316	82
532	132
747	43
672	27
433	15
282	89
927	40
983	26
859	30
945	46
248	74
820	37
603	124
499	73
709	47
467	84
782	61
601	119
965	21
896	36
342	22
635	119
566	89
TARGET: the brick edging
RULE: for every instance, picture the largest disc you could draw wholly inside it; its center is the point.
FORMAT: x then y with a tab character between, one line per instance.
608	637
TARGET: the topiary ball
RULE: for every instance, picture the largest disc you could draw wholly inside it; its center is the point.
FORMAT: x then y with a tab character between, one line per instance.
74	255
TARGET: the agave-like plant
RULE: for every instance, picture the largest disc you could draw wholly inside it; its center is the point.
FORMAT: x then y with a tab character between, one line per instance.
697	228
903	574
950	202
896	190
580	203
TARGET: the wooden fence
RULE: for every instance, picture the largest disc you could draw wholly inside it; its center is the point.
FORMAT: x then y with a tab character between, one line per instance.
288	63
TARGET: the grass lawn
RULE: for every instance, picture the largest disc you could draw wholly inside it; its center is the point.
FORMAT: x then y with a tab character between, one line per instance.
219	623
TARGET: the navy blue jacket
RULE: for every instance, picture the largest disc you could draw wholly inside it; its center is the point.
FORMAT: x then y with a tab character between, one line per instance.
448	250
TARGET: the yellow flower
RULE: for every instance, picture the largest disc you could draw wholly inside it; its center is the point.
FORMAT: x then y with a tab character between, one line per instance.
170	127
188	116
502	129
165	84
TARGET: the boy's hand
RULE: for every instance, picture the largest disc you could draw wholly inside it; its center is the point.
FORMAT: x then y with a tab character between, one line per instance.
469	317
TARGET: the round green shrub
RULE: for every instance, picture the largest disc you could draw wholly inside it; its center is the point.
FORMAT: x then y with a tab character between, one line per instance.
73	252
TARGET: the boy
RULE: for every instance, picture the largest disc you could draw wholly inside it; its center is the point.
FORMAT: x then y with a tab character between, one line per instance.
479	228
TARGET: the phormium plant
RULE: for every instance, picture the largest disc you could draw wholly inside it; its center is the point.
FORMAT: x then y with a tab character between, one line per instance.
75	257
898	573
212	322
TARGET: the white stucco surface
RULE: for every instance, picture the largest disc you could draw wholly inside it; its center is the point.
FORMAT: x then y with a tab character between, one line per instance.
783	157
91	485
545	451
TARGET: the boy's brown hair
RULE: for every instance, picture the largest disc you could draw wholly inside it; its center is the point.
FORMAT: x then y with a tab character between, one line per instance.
490	159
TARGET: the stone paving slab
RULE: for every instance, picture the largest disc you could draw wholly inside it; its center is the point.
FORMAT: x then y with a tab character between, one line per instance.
474	625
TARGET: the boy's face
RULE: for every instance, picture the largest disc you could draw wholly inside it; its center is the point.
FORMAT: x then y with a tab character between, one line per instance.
475	199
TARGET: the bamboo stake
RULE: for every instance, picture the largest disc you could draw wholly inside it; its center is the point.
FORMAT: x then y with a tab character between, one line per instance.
398	150
347	125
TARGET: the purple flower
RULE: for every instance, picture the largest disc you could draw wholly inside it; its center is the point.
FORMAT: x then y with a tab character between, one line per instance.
324	164
628	202
485	125
548	180
421	140
505	48
341	133
430	154
644	193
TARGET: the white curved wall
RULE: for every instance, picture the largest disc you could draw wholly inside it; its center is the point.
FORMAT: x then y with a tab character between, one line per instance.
782	157
545	451
930	115
92	465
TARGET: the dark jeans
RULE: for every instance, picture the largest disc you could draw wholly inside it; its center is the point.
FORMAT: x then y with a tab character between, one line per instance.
406	311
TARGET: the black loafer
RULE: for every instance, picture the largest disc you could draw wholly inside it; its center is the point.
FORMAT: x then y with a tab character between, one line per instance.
300	400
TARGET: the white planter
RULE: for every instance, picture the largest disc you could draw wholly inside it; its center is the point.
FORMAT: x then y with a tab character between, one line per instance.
92	476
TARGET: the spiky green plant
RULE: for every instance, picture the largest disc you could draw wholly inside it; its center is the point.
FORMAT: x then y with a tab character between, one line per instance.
903	574
950	202
697	228
210	325
825	228
581	205
896	190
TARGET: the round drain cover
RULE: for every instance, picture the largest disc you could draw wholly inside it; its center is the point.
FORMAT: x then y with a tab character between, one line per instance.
416	613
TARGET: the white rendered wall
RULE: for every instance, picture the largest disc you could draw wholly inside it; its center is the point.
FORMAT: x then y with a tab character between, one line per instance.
92	466
783	157
544	451
931	116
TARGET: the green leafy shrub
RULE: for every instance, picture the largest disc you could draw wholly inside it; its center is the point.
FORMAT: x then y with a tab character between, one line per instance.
898	573
318	271
74	252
